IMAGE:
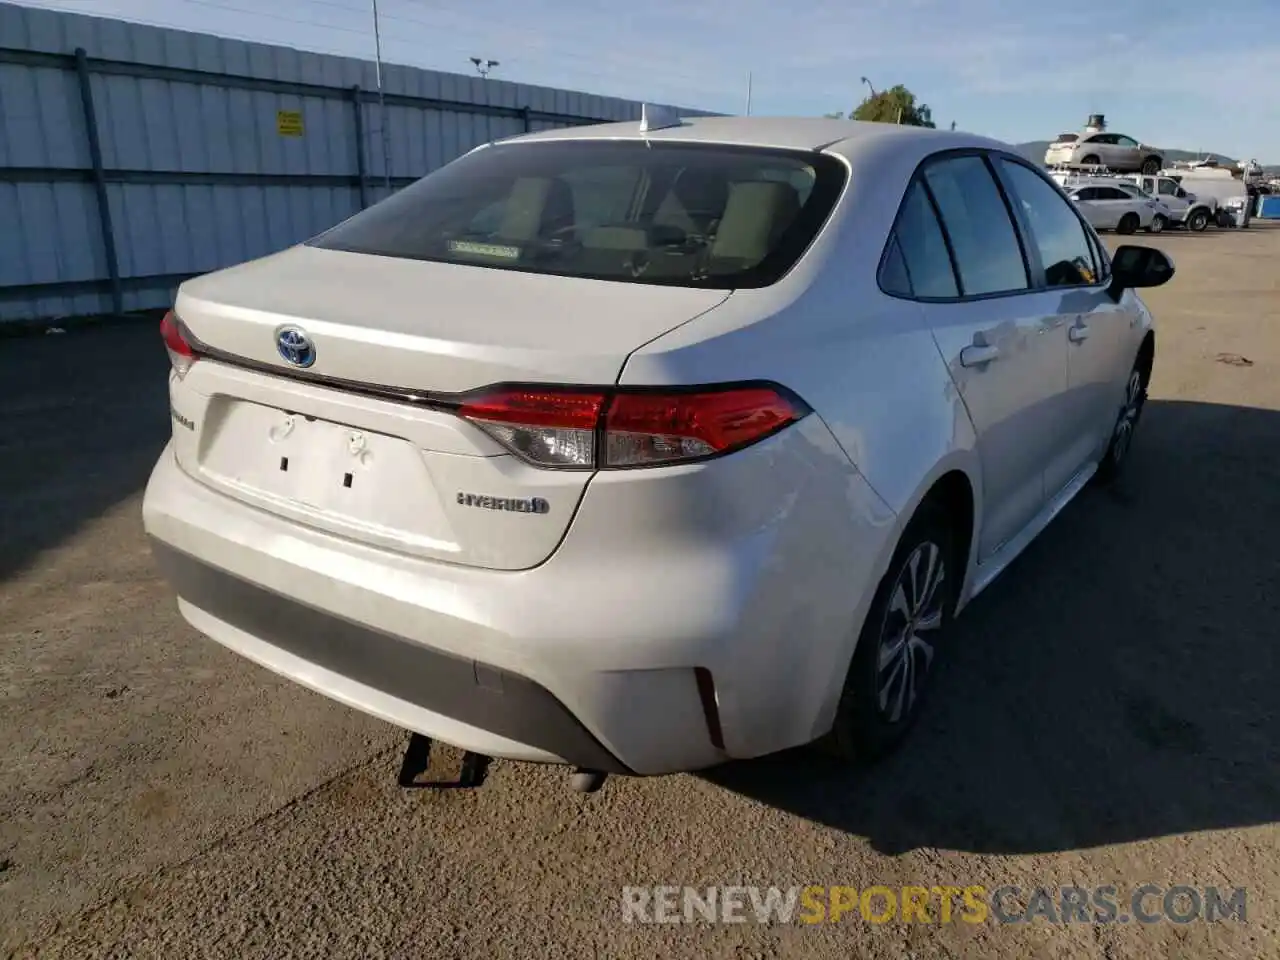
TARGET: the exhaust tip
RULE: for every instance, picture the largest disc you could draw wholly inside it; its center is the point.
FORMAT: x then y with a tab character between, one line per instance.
587	781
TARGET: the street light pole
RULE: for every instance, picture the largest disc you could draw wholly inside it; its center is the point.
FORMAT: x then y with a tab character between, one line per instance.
382	101
748	93
869	86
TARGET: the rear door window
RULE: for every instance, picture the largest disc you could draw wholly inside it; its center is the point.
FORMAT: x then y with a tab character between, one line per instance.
894	277
983	238
924	249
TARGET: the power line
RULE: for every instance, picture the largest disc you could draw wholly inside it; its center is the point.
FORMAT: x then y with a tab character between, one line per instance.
225	34
657	65
589	70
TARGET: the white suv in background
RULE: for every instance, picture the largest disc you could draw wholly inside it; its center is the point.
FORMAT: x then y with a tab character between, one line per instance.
1112	150
1108	206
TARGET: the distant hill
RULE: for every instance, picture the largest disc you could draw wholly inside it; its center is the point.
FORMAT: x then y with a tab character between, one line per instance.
1034	150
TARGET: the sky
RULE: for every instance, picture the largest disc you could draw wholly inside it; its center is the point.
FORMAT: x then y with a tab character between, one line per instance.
1186	74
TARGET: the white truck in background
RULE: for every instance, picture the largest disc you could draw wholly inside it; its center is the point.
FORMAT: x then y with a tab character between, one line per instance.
1225	185
1192	210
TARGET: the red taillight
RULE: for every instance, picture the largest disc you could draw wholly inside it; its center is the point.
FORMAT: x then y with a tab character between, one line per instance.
649	428
554	427
181	354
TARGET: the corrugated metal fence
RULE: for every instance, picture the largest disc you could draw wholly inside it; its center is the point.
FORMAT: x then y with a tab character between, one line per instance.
133	157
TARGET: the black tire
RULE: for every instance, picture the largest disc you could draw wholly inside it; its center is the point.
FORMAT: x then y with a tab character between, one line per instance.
1126	423
1129	223
1158	223
864	728
1198	220
1092	160
1152	165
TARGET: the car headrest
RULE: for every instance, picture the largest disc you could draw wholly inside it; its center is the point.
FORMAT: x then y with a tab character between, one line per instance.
755	216
537	206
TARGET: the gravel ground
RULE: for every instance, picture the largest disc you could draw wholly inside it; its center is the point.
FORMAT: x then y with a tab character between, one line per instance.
1109	716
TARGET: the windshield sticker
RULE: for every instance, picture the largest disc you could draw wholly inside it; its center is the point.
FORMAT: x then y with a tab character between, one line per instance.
484	249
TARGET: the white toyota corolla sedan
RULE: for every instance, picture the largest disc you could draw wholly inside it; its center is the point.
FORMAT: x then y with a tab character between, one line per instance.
643	447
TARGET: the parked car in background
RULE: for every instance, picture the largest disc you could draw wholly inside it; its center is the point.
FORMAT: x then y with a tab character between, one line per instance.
1069	180
1108	206
1185	208
645	447
1162	217
1100	148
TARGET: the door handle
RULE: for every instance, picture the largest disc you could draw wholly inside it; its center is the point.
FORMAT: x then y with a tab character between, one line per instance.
978	354
1079	333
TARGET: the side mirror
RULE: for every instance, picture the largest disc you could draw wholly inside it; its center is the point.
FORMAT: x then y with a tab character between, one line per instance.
1134	267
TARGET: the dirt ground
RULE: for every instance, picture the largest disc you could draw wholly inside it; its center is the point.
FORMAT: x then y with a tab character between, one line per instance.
1110	716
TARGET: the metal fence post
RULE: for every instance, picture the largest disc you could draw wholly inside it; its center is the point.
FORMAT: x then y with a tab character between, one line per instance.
361	164
99	181
524	115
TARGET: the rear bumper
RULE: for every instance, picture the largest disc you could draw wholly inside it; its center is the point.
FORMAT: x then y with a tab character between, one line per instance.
341	657
756	568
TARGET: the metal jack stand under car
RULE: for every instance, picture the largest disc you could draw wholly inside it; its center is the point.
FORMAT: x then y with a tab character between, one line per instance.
417	758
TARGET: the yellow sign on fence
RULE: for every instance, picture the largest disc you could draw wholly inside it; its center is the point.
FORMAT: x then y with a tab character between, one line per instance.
289	123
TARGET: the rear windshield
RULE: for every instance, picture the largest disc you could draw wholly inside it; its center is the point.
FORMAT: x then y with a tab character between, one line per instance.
678	214
1067	138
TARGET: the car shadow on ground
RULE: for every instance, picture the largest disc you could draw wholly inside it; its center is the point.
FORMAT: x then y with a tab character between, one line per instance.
1163	234
85	415
1118	683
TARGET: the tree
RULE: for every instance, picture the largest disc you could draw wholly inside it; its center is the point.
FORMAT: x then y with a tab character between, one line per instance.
895	105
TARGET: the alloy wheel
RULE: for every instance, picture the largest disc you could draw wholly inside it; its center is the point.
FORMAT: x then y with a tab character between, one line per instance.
1128	419
909	631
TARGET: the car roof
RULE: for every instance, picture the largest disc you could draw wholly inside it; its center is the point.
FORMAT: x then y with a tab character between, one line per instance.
845	137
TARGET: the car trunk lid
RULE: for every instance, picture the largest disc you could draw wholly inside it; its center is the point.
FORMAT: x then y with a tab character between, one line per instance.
330	446
436	327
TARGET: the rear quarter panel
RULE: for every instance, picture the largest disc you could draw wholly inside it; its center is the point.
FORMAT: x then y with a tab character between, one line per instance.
865	362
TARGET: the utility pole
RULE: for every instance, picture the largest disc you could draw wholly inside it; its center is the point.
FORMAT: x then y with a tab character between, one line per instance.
748	93
382	101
